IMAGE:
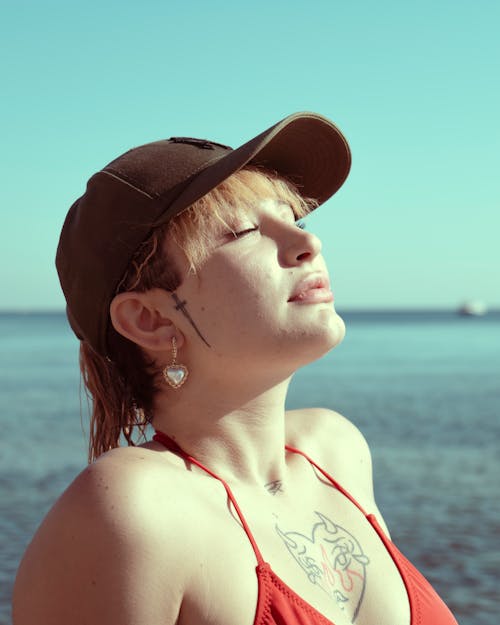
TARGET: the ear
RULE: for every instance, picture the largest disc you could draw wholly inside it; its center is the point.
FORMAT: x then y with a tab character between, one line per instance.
138	317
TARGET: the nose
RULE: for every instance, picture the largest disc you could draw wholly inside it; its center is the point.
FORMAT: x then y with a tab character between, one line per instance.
299	246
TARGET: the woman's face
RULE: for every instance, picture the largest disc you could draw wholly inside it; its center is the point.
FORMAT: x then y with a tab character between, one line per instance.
263	294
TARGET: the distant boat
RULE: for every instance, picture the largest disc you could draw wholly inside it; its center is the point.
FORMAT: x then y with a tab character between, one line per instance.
473	308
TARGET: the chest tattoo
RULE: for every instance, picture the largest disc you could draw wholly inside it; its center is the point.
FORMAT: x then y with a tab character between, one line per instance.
274	487
332	559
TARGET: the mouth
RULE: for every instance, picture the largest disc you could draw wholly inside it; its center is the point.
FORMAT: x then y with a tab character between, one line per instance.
313	289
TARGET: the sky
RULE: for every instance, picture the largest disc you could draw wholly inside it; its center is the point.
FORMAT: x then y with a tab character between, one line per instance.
413	86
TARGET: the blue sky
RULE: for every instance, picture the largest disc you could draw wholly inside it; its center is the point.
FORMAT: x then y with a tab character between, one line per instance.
413	86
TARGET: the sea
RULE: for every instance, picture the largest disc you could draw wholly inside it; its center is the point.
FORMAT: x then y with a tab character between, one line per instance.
423	387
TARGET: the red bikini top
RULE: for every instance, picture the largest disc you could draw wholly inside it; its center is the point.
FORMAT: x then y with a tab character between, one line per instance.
278	604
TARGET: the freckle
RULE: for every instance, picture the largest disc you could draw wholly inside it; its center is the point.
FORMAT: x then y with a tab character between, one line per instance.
93	582
203	308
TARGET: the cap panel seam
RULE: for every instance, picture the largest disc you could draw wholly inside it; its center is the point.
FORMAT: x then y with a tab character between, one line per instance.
123	178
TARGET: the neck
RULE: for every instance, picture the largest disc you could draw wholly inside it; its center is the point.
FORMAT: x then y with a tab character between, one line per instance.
237	432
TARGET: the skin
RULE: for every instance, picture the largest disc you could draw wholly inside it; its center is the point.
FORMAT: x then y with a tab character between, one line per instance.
181	305
129	541
257	340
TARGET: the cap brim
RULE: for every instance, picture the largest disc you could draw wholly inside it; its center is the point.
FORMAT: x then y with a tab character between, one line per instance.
306	148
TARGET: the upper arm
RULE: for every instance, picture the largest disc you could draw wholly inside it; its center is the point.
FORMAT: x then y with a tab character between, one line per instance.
98	558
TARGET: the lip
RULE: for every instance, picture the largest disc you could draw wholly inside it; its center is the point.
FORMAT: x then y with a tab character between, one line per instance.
313	289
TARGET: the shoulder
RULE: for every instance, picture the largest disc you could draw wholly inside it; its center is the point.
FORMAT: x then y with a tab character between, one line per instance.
327	430
114	524
129	488
339	447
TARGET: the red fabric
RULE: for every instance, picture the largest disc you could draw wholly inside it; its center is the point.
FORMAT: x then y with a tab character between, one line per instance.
278	604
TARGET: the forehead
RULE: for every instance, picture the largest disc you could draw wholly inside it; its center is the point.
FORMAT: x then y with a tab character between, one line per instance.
274	205
248	189
238	213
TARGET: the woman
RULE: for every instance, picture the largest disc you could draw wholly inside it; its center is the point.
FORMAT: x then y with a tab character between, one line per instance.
196	297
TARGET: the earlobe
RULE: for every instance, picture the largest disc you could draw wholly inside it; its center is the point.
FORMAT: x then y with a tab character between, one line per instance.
134	316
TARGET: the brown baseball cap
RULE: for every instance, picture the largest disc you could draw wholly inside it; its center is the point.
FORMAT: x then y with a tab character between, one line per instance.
150	184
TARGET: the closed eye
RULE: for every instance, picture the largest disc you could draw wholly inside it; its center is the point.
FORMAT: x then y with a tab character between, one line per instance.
243	232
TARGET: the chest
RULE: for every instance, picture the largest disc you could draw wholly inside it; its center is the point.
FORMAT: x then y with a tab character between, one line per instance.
318	544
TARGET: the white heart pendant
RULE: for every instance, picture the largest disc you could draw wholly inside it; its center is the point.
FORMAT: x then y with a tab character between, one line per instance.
175	375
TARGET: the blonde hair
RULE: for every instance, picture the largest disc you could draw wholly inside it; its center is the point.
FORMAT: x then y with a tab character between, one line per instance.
121	388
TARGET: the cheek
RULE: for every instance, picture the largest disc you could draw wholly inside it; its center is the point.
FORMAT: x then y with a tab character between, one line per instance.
240	307
246	286
240	302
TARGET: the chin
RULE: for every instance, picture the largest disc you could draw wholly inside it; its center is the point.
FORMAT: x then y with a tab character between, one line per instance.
323	338
334	332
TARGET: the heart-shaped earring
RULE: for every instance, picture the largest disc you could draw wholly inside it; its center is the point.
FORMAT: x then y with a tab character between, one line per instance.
175	374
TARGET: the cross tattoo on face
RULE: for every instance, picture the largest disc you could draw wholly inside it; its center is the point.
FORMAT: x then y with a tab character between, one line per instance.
181	305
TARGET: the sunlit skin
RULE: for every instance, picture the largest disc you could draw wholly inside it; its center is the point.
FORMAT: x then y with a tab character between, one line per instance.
240	296
243	324
239	301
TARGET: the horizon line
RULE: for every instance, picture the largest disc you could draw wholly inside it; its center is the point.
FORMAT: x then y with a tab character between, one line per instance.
354	309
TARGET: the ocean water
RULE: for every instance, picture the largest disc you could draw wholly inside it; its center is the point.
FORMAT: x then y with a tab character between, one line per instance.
424	388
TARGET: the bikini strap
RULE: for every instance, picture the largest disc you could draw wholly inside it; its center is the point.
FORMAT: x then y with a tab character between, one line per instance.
328	477
170	444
